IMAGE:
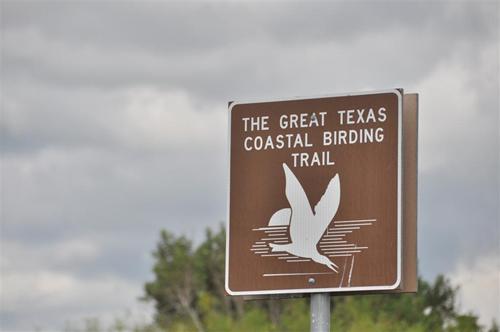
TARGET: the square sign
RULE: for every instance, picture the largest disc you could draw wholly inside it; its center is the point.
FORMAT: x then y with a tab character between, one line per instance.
315	195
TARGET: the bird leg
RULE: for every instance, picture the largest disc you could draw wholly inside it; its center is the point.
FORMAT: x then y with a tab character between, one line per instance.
332	266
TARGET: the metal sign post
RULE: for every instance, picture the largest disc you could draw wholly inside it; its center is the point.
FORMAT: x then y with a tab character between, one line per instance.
320	312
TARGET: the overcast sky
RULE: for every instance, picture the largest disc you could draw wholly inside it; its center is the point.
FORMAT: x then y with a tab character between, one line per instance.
114	121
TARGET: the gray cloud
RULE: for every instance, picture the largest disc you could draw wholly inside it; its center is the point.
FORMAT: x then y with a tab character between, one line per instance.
114	125
194	45
457	221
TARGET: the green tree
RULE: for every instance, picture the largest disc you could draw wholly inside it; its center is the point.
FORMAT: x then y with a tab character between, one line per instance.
494	327
189	295
174	289
209	260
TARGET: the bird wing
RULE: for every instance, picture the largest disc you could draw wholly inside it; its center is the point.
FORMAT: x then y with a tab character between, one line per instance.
301	209
327	206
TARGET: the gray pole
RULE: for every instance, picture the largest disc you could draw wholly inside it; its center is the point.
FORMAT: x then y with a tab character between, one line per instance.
320	312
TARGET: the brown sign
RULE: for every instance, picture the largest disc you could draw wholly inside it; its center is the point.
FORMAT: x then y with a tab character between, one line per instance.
315	195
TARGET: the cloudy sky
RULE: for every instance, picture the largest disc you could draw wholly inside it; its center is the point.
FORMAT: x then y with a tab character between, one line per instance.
113	126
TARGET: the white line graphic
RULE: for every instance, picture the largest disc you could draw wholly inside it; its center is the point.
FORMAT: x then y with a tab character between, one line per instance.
275	238
352	221
269	228
345	248
343	228
343	273
350	272
342	252
294	274
301	233
275	231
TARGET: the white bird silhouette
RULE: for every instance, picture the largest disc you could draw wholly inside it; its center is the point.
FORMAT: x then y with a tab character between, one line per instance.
307	226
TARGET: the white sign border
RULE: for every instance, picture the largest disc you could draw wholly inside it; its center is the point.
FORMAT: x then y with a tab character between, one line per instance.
399	200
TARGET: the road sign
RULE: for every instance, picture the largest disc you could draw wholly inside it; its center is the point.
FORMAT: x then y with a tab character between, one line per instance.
315	195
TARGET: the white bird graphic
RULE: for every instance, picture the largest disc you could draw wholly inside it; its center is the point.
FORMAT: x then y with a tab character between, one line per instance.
307	226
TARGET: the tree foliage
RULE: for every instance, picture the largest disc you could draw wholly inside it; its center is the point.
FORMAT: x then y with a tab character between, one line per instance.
188	293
